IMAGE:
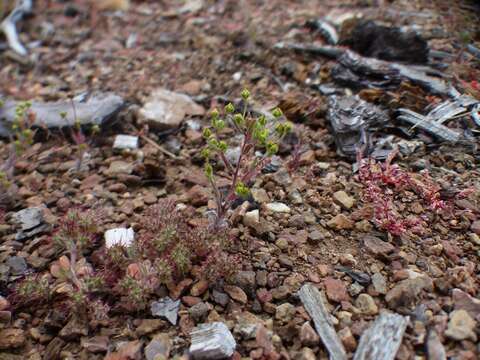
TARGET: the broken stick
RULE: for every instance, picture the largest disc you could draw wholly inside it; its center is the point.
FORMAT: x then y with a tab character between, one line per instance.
314	303
383	338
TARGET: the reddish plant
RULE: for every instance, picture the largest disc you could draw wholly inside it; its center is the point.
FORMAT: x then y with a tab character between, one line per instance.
383	180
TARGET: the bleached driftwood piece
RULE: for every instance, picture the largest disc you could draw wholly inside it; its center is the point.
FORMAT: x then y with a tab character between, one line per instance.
314	303
382	339
9	28
94	110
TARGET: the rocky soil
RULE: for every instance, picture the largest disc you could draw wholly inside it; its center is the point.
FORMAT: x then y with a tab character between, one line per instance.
311	225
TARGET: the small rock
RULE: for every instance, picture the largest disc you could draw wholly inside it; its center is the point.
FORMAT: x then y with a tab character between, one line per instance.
159	348
461	326
341	222
285	312
246	281
379	283
407	291
342	198
199	311
97	344
28	218
165	109
125	142
17	264
76	327
377	246
316	236
336	290
463	301
199	288
282	243
166	308
475	227
220	298
119	167
308	336
251	218
119	236
260	196
366	305
347	339
148	326
355	289
277	207
131	350
212	341
11	338
236	293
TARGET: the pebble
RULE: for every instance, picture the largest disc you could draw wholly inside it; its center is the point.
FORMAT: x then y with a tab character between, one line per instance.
366	305
17	264
379	283
342	198
220	298
199	288
277	207
347	338
461	326
158	348
148	326
336	290
236	293
166	308
285	312
340	222
212	341
123	142
308	336
251	218
407	292
377	246
199	312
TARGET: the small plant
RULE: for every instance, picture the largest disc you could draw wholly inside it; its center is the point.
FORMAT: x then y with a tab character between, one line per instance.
167	249
260	141
31	290
384	181
80	139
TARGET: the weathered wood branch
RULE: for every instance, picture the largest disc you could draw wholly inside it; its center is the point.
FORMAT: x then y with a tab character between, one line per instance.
383	338
314	303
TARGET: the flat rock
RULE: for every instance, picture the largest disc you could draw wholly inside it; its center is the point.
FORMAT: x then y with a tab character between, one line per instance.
335	289
236	293
464	301
29	218
166	308
159	347
277	207
342	198
340	222
166	109
407	292
461	326
212	341
377	246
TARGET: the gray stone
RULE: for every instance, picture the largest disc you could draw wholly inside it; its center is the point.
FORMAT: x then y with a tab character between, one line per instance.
199	312
461	326
379	283
166	308
17	264
159	347
29	218
277	207
212	341
220	298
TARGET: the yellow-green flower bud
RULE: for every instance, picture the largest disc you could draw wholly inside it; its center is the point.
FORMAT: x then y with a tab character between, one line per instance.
219	124
95	129
262	120
279	129
288	126
207	133
238	119
272	148
63	114
222	146
213	143
229	108
205	153
208	171
277	112
215	114
77	124
261	135
242	190
245	94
